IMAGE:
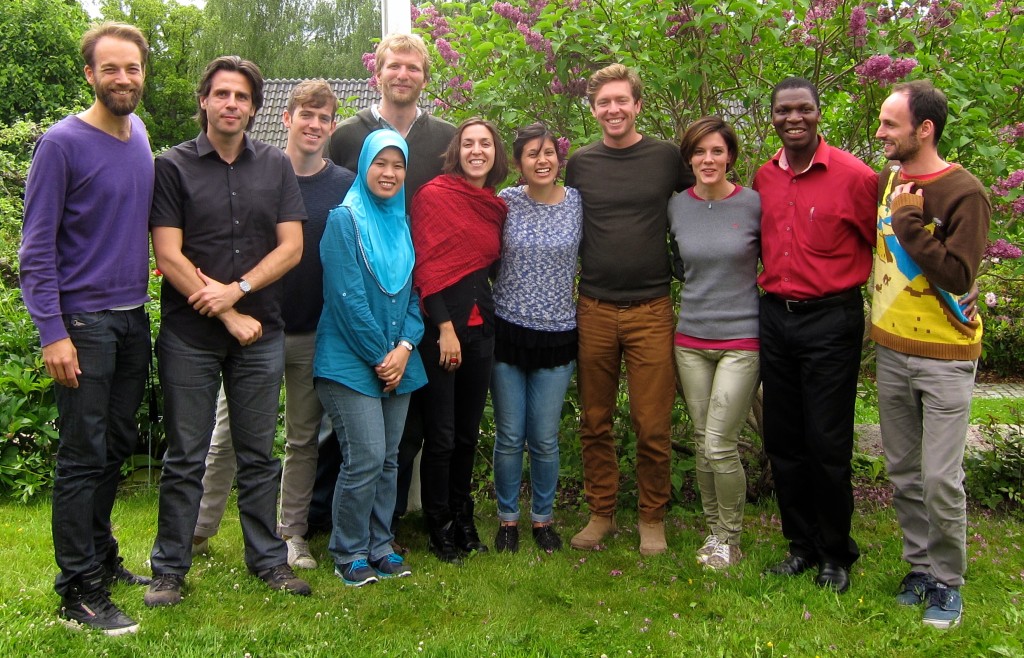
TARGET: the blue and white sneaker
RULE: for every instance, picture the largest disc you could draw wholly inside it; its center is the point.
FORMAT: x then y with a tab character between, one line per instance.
356	573
945	607
391	566
914	588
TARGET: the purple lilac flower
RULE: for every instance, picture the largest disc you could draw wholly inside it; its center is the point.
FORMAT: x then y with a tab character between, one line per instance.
1012	133
884	70
1002	250
1002	186
858	28
939	16
370	62
448	53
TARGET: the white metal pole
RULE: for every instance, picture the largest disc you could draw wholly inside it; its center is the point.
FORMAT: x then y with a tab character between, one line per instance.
395	16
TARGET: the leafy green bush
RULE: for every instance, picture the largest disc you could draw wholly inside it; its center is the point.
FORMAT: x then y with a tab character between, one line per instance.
995	475
1002	304
28	410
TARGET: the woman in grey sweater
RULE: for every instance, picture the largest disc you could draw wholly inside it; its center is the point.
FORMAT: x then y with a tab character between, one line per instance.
716	229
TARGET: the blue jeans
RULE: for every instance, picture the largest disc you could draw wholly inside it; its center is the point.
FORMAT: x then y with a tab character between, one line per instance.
527	413
369	430
98	431
190	376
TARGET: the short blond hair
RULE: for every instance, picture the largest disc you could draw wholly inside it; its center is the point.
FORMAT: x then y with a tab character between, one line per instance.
613	73
401	43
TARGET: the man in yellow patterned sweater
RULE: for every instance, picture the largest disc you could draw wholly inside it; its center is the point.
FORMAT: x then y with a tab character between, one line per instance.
933	220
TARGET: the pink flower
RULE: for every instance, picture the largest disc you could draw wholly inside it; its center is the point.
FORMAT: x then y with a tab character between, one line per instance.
884	70
448	54
615	572
1003	250
991	300
858	27
370	62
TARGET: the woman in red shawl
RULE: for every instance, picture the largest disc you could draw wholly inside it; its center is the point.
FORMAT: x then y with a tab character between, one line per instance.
456	231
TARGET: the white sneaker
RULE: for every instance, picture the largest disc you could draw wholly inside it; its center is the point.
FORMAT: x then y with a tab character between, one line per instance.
705	551
725	556
299	556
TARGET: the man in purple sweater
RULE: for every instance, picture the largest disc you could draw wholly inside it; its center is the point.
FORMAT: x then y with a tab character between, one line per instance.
84	269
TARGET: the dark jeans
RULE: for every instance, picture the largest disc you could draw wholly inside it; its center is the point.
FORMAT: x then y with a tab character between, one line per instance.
452	409
98	431
190	376
809	367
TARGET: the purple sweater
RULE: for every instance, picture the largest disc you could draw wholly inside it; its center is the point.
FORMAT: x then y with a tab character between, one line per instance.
85	242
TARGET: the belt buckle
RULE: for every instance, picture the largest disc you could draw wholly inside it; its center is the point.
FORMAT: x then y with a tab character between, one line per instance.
791	309
624	305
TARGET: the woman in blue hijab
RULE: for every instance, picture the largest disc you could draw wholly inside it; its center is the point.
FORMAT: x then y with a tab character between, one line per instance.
366	363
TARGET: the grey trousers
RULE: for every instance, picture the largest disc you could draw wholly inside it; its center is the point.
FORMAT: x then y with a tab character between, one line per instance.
924	408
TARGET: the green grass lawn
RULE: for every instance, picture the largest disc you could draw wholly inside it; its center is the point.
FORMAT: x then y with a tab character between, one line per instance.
983	411
612	602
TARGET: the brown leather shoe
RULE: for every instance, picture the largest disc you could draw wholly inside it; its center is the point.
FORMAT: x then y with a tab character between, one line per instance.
652	537
590	537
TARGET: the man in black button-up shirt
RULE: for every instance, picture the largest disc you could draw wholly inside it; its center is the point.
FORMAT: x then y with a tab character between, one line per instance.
226	225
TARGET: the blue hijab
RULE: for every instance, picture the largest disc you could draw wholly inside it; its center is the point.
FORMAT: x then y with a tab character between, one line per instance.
382	228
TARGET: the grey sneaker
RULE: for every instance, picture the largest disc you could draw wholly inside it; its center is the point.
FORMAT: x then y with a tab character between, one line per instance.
391	566
724	556
299	556
356	573
165	589
914	588
945	607
705	551
283	579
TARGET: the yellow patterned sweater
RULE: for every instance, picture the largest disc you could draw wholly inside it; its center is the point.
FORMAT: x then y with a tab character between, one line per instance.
928	252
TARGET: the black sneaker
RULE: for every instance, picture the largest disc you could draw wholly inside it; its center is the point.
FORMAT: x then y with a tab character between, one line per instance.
165	589
547	539
356	573
391	566
282	578
914	588
94	610
507	539
114	571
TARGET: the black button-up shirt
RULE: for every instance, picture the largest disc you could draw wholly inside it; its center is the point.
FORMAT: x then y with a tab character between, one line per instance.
228	214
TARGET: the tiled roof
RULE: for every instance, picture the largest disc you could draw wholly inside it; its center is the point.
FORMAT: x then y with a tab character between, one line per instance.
353	95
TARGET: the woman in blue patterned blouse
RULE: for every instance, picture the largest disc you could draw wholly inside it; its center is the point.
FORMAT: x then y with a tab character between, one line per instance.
535	333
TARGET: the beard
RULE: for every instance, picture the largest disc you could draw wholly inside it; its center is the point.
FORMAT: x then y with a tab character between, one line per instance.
116	104
906	151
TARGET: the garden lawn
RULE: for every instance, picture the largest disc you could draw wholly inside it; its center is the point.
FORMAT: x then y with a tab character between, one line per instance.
612	602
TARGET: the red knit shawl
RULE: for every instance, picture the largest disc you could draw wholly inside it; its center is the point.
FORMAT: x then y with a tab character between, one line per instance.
456	230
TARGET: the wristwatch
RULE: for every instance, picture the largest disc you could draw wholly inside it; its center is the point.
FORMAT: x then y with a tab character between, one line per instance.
245	286
406	344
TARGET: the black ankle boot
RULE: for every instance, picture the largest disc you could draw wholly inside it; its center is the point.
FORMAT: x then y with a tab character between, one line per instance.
442	543
114	571
467	539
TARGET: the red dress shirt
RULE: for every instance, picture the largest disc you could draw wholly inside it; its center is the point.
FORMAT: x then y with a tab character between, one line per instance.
817	226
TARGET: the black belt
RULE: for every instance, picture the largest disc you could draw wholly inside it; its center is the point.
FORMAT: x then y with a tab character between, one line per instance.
809	305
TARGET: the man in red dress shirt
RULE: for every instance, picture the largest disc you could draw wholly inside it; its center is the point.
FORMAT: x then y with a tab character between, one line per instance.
817	234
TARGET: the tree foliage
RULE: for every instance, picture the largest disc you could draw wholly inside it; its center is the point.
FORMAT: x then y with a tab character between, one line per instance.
40	68
174	67
526	60
293	38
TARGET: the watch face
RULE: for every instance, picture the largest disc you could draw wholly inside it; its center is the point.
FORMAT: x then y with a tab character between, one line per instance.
245	286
